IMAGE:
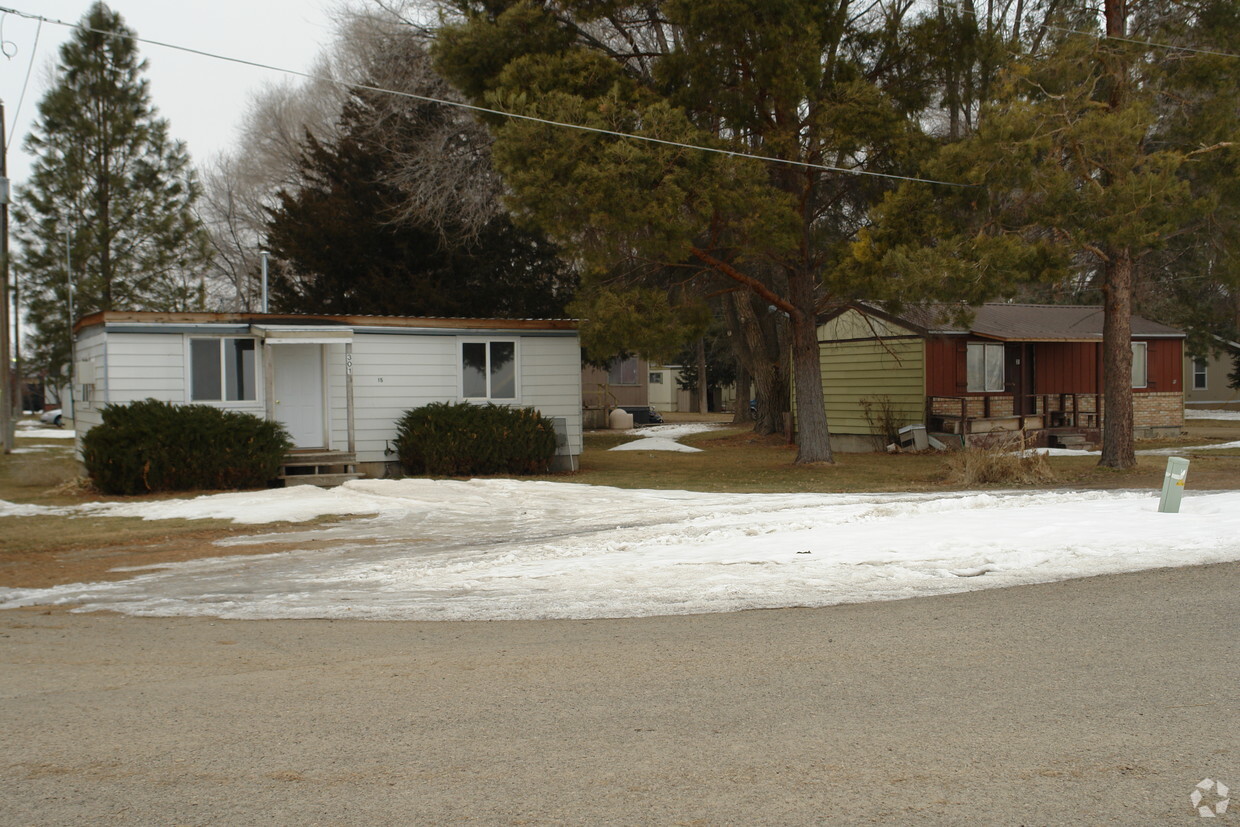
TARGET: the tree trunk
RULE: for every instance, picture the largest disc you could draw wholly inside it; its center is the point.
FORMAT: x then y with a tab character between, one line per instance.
740	414
813	440
752	347
703	389
1117	426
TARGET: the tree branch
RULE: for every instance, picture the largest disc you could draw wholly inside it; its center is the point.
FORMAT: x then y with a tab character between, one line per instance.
723	268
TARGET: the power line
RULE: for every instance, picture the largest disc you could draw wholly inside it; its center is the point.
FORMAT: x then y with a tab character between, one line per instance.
487	111
1149	43
29	67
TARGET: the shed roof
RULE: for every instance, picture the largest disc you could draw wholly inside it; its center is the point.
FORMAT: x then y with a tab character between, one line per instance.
1021	322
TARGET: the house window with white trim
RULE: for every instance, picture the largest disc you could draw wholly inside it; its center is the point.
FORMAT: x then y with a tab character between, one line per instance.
984	364
1140	354
489	370
222	370
1199	374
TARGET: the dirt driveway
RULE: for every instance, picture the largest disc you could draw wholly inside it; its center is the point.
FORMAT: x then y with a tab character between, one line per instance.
1099	701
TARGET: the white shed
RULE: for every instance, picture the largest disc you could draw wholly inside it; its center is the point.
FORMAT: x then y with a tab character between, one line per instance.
337	383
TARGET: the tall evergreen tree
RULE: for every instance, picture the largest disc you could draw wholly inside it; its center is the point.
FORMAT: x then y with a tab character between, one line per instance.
816	85
106	220
1095	167
345	244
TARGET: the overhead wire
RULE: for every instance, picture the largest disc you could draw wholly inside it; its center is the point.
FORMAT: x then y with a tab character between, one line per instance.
489	111
1102	35
29	70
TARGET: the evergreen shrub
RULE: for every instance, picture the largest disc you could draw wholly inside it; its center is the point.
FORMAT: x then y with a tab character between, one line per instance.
151	446
460	439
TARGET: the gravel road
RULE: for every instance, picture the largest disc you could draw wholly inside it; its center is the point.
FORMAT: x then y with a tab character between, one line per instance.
1094	701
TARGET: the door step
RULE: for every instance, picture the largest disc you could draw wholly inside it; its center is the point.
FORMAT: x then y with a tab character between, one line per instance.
322	468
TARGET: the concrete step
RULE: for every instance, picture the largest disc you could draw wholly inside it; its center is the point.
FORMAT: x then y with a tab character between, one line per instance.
303	459
321	480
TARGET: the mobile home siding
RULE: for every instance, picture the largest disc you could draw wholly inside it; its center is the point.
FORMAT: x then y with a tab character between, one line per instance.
551	375
394	369
1218	388
874	371
394	373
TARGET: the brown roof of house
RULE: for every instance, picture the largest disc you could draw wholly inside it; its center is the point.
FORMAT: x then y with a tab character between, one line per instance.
1025	322
149	317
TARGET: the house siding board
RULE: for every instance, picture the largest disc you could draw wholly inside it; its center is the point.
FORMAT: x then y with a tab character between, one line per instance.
1217	390
391	375
417	371
941	370
857	371
598	393
146	366
852	324
1165	358
1066	367
91	350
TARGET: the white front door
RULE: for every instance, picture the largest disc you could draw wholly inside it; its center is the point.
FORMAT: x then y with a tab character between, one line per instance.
299	392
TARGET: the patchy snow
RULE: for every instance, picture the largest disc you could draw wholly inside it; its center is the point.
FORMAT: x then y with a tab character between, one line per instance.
1144	452
656	443
507	549
664	437
45	433
1202	413
674	430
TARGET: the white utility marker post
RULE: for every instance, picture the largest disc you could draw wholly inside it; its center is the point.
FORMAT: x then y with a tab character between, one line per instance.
1173	485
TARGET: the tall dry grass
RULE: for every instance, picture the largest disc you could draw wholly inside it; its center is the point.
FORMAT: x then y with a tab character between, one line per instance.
1003	462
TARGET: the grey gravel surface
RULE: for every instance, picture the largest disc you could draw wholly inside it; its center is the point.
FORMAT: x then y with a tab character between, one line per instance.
1094	701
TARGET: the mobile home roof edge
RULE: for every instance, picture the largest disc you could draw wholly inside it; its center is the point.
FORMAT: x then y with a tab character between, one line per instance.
222	321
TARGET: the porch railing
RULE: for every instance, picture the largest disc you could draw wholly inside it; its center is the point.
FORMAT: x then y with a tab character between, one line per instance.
1041	410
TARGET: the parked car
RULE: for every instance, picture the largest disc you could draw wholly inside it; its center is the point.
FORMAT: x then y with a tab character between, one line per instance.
643	414
53	417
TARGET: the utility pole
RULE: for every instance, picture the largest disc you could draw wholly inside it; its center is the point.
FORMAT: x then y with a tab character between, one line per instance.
6	399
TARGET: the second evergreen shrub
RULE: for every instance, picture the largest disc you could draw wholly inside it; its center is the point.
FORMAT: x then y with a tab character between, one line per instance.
151	446
460	439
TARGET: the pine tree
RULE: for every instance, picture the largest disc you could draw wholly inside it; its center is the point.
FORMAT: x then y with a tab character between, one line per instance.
815	85
345	244
108	208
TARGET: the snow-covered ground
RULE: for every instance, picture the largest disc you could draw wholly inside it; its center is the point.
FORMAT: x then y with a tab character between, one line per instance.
665	437
1203	413
507	549
1145	452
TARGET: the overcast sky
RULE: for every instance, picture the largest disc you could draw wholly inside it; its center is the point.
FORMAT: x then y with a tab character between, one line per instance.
203	99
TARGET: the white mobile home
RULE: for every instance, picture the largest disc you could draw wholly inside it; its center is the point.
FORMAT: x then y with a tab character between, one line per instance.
337	383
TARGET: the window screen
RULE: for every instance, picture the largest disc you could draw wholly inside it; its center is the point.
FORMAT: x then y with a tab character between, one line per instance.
985	368
1139	375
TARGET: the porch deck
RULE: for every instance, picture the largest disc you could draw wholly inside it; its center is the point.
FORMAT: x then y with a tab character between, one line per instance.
1042	420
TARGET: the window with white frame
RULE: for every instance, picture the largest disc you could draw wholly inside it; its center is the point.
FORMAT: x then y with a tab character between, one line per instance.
656	377
1140	353
984	364
489	370
622	371
223	370
1199	374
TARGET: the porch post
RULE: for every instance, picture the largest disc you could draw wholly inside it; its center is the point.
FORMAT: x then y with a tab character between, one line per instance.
269	382
348	395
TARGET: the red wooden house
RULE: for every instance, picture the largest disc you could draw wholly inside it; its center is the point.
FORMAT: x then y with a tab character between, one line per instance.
1013	367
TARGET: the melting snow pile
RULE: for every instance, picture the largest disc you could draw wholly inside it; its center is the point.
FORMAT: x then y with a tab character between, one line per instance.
505	549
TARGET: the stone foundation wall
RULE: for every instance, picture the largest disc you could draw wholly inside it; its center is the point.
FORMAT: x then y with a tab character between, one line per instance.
1160	411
